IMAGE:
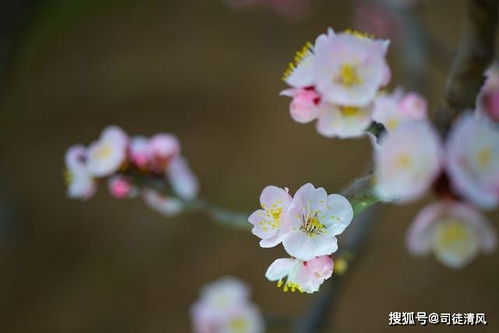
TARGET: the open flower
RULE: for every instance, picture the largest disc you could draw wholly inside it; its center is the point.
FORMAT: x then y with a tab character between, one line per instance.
473	160
315	218
106	155
397	108
270	222
343	121
350	68
453	231
304	276
80	183
305	105
163	148
407	162
224	307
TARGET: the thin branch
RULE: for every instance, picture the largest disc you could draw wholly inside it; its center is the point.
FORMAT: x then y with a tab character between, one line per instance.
475	54
316	318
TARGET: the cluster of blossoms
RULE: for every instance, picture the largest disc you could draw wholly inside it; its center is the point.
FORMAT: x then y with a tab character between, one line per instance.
306	225
338	80
132	166
464	171
225	307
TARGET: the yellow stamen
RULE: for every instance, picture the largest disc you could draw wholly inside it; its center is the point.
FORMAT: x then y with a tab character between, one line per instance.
239	325
68	177
358	34
452	232
103	151
348	76
403	161
300	55
312	227
349	111
484	157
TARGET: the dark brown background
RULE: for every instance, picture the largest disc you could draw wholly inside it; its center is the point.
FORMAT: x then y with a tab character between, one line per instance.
211	75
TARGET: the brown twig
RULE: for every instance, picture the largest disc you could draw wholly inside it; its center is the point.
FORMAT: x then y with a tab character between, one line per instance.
476	52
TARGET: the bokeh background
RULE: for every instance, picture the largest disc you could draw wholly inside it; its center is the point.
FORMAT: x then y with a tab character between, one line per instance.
210	73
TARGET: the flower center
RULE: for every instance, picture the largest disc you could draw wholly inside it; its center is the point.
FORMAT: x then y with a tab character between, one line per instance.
348	75
484	157
403	161
312	227
392	123
239	325
452	232
349	111
103	151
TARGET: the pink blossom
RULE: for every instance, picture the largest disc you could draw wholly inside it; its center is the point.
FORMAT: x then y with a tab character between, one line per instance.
270	222
397	108
140	153
182	179
415	106
305	105
163	148
407	162
121	186
225	307
343	121
472	160
491	105
106	155
455	232
81	184
315	218
350	68
304	276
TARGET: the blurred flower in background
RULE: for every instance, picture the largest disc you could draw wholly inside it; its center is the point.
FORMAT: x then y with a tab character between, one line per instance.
133	166
224	306
455	232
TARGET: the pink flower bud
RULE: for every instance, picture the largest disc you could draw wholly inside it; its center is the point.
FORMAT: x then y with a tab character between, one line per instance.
304	107
140	152
415	106
491	104
121	187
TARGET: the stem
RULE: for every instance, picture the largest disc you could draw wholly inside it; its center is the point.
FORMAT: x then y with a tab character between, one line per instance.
476	52
316	318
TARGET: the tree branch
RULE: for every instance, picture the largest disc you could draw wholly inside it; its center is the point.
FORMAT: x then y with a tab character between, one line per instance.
476	52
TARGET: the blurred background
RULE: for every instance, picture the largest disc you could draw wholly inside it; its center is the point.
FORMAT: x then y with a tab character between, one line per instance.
210	72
